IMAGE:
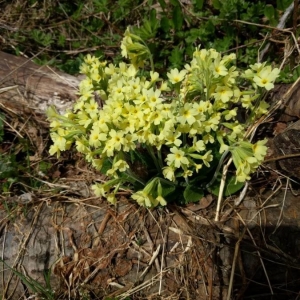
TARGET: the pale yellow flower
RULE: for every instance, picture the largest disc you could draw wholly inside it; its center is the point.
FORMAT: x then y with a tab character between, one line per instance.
266	77
199	146
81	146
117	138
172	138
111	198
100	190
156	117
59	141
96	137
89	59
187	173
223	93
162	201
154	76
169	173
54	149
187	114
260	150
91	107
153	97
176	158
219	68
175	76
143	199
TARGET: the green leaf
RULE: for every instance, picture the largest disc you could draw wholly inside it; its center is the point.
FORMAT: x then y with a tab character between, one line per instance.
106	166
296	73
165	24
175	2
176	58
269	12
224	43
149	27
42	38
217	4
177	18
31	284
283	4
153	18
230	186
78	12
167	189
163	4
8	166
44	166
61	40
199	4
192	194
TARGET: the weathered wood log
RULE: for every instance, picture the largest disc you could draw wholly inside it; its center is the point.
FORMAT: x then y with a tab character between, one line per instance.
24	84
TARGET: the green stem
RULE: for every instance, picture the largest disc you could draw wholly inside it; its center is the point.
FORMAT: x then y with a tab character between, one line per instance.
167	181
218	168
133	178
151	61
150	55
207	84
151	152
184	139
160	160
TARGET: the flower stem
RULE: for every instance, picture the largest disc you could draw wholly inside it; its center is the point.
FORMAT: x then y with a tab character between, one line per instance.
218	169
151	152
133	178
160	160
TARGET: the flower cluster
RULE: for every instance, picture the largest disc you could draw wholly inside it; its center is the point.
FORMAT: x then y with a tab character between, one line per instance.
181	123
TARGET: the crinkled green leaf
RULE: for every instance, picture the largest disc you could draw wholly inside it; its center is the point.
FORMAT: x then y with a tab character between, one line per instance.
192	194
177	18
269	11
230	187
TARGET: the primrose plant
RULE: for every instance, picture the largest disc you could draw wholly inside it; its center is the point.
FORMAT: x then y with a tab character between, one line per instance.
164	138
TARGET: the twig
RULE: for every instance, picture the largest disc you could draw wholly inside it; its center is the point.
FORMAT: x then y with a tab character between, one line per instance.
238	201
152	248
7	88
13	129
102	228
202	274
222	186
282	206
281	157
280	25
235	256
163	250
100	266
153	258
143	285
